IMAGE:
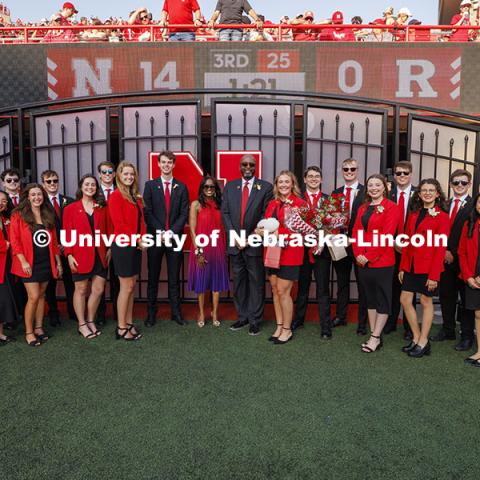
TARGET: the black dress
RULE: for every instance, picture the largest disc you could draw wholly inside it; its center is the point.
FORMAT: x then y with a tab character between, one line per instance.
377	282
417	282
8	308
127	261
98	269
41	268
472	295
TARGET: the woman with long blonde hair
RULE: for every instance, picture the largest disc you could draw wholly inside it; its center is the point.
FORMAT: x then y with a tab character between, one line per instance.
125	206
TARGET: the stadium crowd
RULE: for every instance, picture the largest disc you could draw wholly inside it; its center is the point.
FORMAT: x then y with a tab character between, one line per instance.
244	24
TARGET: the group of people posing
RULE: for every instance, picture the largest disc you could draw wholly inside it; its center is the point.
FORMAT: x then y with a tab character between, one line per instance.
388	277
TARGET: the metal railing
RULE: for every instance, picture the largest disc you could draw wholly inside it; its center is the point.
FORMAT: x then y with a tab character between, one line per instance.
274	32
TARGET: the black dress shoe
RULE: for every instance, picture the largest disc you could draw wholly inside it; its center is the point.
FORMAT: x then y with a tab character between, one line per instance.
338	322
418	351
238	325
441	336
149	322
283	342
297	324
179	320
408	336
464	345
469	361
361	331
254	330
409	347
326	335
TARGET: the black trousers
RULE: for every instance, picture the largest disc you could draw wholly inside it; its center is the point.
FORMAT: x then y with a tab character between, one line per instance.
450	287
321	271
248	273
114	289
396	292
51	293
343	269
174	263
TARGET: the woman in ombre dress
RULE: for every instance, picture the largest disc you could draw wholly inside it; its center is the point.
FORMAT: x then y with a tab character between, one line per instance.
207	268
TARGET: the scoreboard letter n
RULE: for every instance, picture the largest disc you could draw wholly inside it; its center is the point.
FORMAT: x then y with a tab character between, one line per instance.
98	79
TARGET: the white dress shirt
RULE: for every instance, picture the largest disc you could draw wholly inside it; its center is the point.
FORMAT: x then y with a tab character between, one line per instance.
249	183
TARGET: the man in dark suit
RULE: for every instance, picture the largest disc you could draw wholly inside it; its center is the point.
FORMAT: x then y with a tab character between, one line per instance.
59	202
354	194
11	184
166	211
243	206
450	284
401	193
106	175
320	265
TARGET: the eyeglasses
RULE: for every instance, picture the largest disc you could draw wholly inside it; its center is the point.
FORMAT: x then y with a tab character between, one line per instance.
402	174
349	169
209	187
53	180
463	183
12	180
143	18
106	172
248	164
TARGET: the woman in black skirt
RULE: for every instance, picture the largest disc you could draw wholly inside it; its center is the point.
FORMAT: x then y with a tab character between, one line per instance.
377	216
8	310
421	266
35	255
125	206
85	216
469	258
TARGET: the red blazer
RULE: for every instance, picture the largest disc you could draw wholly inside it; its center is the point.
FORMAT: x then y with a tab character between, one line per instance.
75	218
426	259
385	222
21	240
123	214
468	252
3	251
291	255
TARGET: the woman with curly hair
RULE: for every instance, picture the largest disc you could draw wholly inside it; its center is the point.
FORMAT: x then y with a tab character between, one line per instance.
207	268
421	266
87	262
125	206
35	255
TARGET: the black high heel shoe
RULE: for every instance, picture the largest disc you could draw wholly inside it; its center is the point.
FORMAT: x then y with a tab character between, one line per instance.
134	331
97	333
419	352
125	331
277	341
43	337
409	347
367	349
273	337
33	343
90	335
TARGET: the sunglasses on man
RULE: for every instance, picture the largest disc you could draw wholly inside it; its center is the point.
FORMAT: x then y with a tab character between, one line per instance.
106	172
402	174
51	181
349	169
12	180
463	183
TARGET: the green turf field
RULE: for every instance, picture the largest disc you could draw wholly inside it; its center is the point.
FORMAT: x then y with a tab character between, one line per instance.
214	404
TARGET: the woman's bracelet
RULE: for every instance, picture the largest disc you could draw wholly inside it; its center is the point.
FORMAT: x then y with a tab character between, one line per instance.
198	252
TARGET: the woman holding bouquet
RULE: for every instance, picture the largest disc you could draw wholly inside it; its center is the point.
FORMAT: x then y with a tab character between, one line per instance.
377	216
207	268
420	267
469	258
87	262
287	195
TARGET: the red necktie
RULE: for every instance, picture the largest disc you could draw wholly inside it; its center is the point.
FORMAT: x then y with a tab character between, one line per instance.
348	198
107	193
401	205
167	203
15	201
454	211
245	194
56	206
